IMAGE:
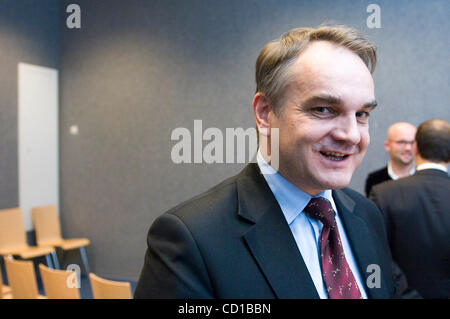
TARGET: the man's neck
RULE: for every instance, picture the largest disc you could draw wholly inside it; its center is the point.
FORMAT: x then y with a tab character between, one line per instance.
401	170
421	161
266	167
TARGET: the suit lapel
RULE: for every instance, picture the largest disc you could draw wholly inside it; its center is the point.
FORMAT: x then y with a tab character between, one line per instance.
361	242
274	249
270	240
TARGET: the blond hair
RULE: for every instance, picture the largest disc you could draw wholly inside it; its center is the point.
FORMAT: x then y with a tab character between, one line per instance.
272	66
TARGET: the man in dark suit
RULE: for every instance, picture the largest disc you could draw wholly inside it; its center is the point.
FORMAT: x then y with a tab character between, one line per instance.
399	145
417	212
283	227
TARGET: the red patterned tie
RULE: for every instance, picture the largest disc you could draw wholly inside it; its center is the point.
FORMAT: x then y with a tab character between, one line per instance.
338	277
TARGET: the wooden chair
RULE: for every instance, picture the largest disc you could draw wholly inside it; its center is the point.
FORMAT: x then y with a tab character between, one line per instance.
5	291
22	279
48	232
56	283
108	289
13	238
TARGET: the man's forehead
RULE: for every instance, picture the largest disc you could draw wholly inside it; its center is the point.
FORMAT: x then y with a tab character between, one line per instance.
323	62
320	53
401	130
332	79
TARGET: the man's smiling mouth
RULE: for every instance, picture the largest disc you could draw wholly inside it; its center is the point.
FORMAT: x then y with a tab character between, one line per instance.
334	156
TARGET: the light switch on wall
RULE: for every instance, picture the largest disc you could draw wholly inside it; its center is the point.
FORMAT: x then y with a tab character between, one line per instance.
74	130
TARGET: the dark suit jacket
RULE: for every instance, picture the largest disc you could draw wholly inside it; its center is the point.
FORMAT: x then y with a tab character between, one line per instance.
375	178
234	242
417	213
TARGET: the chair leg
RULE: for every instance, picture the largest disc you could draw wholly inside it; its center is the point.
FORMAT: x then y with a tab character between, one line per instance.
49	261
85	260
55	259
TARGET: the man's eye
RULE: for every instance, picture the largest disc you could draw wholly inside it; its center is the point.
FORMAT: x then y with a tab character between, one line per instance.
322	109
362	116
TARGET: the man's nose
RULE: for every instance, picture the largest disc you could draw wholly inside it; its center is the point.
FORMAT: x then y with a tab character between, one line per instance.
347	130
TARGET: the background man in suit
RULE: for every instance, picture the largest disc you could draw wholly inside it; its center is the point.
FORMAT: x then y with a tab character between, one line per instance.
290	233
399	145
417	212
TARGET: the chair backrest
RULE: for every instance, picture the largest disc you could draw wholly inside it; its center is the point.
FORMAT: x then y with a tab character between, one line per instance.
58	283
109	289
5	291
21	278
12	229
1	283
46	224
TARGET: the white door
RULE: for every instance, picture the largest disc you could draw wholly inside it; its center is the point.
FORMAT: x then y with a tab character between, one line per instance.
38	138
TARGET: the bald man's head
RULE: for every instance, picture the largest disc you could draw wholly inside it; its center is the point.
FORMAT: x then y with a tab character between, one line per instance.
400	143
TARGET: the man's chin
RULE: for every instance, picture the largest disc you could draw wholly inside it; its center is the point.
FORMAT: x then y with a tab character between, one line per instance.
336	182
407	162
337	186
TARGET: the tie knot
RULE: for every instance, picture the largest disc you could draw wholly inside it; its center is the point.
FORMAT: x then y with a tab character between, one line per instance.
320	208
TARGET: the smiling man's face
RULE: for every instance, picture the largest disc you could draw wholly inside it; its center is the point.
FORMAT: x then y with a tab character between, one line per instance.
323	124
400	143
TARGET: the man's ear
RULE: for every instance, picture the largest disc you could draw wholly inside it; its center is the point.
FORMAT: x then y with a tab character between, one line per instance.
415	149
417	158
386	146
261	111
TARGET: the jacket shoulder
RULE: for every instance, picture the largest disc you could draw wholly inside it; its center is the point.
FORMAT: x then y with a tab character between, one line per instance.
379	172
375	178
365	208
358	198
222	198
392	186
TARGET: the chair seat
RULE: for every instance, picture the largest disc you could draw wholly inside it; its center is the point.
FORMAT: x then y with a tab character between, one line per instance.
68	244
6	289
10	250
7	295
27	252
10	296
6	292
74	243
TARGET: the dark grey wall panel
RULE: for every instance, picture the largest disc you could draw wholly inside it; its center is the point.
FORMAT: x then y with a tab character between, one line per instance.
136	70
29	32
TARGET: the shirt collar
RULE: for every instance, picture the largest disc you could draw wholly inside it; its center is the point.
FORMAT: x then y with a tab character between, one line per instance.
432	165
394	176
291	199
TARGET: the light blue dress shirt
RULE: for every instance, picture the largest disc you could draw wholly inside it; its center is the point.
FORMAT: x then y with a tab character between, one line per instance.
306	230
